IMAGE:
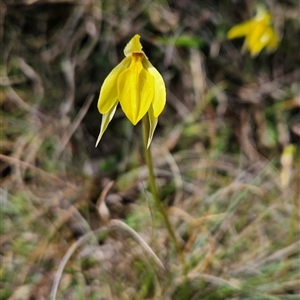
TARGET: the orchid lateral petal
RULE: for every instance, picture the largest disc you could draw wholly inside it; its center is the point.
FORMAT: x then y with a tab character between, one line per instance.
109	91
152	125
159	99
106	118
241	29
136	90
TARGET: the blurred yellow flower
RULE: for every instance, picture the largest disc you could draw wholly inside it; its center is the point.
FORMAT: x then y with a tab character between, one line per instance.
287	160
258	33
137	85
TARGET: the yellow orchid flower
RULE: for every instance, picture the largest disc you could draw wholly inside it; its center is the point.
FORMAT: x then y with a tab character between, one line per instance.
258	33
137	85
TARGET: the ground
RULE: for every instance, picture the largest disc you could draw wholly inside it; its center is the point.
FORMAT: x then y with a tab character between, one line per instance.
79	222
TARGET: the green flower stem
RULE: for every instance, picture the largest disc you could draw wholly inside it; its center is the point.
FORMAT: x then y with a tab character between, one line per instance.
153	188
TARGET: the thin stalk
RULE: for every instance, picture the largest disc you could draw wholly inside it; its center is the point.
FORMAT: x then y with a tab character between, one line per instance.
153	188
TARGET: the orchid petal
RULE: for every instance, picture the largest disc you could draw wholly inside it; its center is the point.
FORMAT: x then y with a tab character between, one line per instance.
259	38
152	125
136	90
159	99
106	118
109	91
241	29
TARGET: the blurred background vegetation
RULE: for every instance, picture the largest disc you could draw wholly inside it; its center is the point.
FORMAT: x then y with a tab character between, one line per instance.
78	222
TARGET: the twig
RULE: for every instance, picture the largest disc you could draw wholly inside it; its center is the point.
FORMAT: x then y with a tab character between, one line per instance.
24	164
66	138
137	237
66	258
